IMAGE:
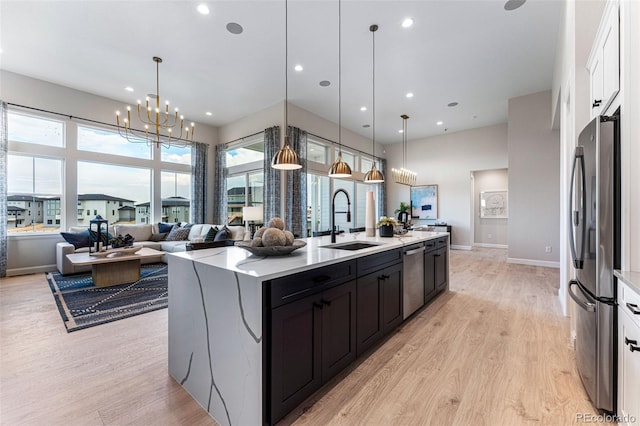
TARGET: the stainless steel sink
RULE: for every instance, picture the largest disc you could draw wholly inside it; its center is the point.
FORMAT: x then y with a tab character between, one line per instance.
351	245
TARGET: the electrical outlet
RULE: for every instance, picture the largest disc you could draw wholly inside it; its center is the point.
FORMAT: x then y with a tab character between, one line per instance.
547	249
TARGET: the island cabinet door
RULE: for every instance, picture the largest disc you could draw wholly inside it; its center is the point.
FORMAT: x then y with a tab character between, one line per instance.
440	257
295	354
391	298
429	274
368	308
338	328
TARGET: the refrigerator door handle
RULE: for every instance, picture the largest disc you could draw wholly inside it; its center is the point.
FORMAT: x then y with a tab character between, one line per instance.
574	215
587	306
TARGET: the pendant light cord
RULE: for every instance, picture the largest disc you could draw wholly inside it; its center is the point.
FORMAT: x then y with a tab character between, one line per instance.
373	29
340	79
286	68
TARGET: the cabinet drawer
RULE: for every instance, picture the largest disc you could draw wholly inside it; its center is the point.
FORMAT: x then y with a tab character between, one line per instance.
378	261
296	286
629	302
436	243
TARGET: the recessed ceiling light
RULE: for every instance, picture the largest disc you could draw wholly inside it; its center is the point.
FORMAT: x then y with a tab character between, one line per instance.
325	83
234	28
209	113
439	123
409	95
129	89
366	125
407	23
203	9
452	104
513	4
363	108
400	131
298	68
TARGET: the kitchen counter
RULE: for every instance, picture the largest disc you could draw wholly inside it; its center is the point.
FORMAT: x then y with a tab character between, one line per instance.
219	318
313	255
632	279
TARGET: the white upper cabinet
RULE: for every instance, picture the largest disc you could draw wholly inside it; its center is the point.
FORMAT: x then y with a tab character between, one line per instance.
604	61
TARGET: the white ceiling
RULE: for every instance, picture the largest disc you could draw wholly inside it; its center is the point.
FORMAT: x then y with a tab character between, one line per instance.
471	52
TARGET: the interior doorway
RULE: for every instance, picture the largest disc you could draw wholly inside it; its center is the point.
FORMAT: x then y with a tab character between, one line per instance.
489	227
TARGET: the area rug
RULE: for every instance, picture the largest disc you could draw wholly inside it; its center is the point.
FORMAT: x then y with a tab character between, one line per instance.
83	305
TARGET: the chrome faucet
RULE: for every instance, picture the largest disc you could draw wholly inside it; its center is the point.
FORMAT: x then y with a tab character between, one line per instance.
333	212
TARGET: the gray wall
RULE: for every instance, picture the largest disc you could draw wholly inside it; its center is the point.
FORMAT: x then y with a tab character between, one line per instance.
489	232
534	176
447	161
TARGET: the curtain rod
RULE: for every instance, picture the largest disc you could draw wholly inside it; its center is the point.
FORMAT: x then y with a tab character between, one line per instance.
347	146
72	117
243	138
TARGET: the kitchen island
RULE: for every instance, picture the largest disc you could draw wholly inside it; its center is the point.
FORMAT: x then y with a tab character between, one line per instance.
251	337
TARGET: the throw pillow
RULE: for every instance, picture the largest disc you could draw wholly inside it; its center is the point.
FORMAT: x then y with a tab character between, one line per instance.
78	239
104	238
156	238
178	234
165	227
211	235
186	225
223	234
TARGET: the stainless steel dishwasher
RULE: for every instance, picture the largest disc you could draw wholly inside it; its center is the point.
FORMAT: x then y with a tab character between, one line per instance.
413	279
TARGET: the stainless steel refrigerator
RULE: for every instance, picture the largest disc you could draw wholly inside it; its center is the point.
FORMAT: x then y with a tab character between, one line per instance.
595	251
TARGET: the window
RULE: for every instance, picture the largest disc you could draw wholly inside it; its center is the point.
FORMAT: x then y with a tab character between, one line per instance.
108	142
249	153
33	181
176	154
29	129
129	185
245	180
320	188
176	196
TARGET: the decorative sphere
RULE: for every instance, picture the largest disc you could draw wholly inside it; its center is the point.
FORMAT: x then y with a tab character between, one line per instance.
273	237
259	232
256	242
276	222
289	236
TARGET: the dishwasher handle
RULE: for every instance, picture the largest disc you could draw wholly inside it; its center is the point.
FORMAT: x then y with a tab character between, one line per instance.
414	251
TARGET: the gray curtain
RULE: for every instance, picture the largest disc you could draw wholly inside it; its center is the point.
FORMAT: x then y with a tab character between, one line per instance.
220	193
272	177
296	220
198	182
4	146
382	189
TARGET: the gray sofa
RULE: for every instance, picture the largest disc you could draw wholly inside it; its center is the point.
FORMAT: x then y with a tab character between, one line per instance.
142	235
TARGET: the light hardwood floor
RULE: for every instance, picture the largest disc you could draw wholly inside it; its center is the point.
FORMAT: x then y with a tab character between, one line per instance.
494	351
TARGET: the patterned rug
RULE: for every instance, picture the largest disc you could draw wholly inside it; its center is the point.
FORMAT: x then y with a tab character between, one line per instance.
83	305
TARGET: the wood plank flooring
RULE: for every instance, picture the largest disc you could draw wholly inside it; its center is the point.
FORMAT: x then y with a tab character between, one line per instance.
493	351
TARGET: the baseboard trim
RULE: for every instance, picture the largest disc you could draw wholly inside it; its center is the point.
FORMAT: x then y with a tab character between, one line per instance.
457	247
31	270
531	262
487	245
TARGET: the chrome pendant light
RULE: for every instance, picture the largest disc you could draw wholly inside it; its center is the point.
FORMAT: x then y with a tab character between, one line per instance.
286	158
374	175
403	175
340	169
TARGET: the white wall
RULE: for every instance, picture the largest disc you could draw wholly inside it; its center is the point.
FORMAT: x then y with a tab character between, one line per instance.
489	232
35	253
534	173
447	161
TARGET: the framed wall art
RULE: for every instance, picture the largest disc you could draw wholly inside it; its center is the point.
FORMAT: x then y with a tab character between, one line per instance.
424	202
494	204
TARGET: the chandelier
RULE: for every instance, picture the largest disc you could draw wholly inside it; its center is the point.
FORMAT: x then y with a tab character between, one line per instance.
159	125
403	175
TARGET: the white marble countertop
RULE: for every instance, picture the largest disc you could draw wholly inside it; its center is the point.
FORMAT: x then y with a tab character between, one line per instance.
632	279
311	256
